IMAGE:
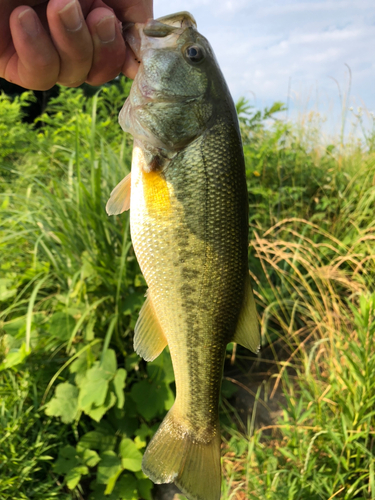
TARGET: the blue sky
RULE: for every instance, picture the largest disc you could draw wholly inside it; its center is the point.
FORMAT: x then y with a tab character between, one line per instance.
262	46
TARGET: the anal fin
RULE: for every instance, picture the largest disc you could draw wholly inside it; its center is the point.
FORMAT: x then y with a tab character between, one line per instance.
119	200
247	332
149	339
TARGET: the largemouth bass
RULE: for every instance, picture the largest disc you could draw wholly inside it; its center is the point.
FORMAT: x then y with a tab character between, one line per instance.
189	227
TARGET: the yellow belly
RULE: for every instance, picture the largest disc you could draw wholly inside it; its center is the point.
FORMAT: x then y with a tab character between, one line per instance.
156	193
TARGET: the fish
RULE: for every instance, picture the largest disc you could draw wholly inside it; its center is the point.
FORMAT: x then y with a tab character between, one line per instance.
188	203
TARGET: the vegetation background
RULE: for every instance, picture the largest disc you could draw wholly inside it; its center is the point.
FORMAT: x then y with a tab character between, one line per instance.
78	406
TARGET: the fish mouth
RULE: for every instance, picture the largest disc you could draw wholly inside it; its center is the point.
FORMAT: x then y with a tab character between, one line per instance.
138	35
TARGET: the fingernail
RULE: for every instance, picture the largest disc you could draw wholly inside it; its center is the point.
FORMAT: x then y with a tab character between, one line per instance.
106	29
71	16
28	22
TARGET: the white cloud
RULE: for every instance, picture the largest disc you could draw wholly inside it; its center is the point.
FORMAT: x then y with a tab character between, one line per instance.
260	46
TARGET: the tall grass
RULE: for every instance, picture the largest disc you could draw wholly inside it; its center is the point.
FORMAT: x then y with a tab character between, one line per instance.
323	443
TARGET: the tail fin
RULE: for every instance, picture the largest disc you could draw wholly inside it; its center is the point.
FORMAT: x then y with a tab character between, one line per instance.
175	455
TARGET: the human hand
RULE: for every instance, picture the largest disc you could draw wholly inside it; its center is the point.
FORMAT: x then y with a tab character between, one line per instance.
44	42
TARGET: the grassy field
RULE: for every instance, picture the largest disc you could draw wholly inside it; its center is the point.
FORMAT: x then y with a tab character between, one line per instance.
78	406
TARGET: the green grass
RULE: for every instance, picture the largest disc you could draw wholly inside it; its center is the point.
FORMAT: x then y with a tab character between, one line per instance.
71	290
29	440
323	443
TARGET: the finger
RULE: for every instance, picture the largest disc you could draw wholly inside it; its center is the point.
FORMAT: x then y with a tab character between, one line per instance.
131	63
131	11
33	61
72	40
134	11
109	46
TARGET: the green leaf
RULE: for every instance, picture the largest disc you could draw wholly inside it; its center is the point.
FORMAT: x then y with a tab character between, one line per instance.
14	357
109	363
132	361
130	407
124	489
140	281
131	456
96	413
109	465
111	483
65	403
144	431
98	493
90	458
161	369
74	475
68	452
68	459
13	327
119	384
133	302
144	487
98	440
61	325
127	487
149	398
5	291
93	388
79	365
125	424
73	478
169	401
140	443
141	435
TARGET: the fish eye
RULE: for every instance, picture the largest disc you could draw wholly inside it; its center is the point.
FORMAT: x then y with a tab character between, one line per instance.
194	53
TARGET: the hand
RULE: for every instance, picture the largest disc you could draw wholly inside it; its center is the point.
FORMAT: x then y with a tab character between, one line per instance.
44	42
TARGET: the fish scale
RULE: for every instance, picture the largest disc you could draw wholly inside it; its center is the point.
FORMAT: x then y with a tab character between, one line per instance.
203	233
189	228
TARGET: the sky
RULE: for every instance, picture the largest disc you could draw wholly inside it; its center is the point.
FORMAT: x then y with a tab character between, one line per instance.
296	51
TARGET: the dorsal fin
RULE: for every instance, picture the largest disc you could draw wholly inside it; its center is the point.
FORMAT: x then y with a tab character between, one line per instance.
247	332
149	339
119	200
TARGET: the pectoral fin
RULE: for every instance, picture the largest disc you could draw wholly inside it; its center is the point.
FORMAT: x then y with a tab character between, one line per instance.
119	200
149	339
247	333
